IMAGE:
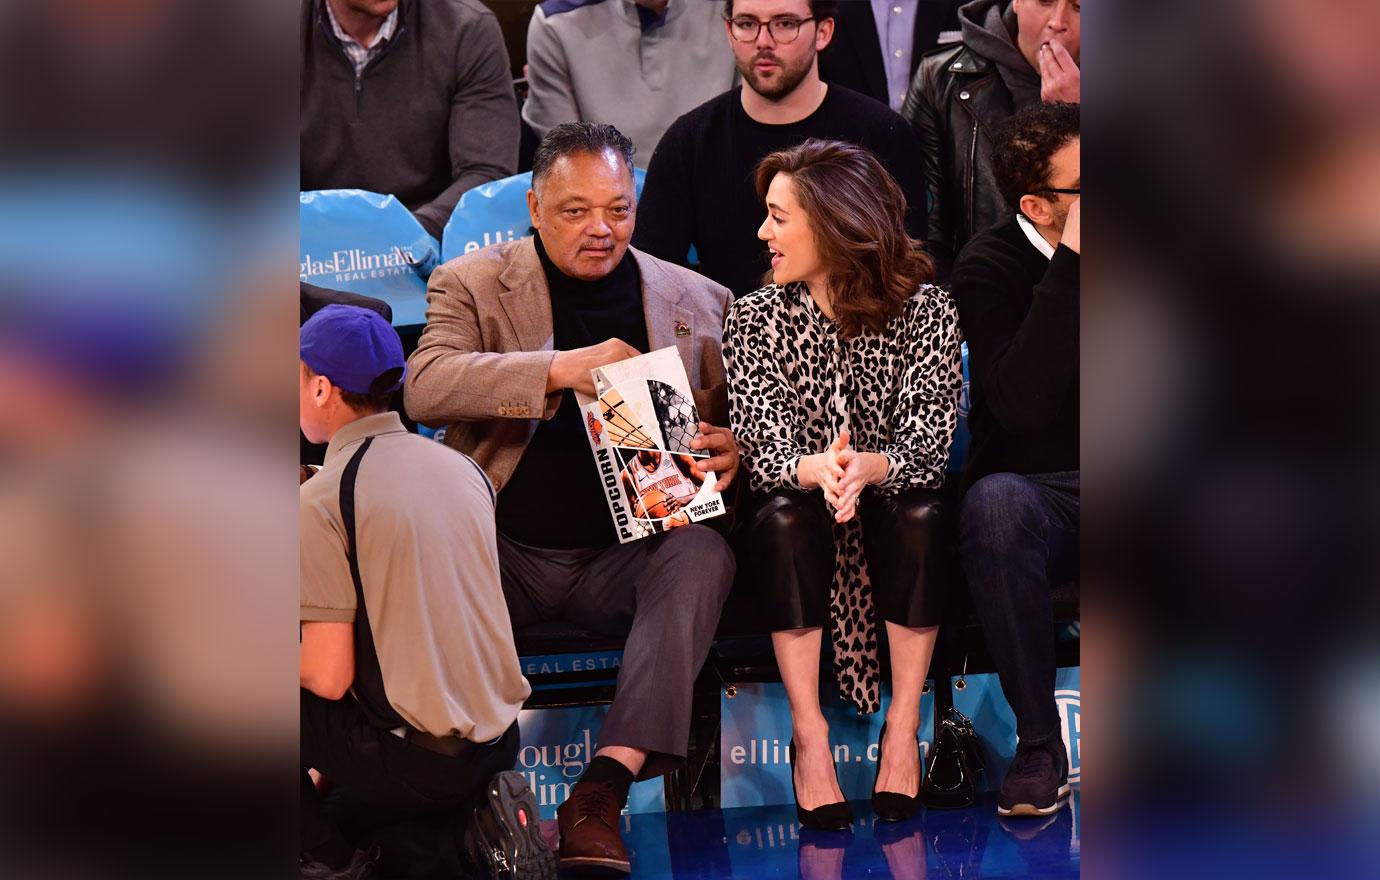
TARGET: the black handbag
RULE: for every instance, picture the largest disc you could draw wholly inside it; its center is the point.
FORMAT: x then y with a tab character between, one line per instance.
955	761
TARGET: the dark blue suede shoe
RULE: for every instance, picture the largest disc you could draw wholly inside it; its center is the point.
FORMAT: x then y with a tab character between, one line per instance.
1037	782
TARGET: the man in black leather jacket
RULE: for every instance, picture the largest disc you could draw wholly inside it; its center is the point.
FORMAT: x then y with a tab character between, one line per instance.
1014	53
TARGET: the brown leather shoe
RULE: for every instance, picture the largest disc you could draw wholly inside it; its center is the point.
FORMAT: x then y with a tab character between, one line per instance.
588	823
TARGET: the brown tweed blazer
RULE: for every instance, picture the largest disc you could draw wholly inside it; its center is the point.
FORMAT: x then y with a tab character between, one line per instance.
480	367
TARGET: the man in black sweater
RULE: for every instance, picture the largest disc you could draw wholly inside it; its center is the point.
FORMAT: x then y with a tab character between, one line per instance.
699	188
1016	287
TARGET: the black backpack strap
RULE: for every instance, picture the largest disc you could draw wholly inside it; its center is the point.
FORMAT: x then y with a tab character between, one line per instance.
368	683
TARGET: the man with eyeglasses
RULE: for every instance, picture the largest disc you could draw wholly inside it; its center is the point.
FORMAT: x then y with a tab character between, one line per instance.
1017	290
699	189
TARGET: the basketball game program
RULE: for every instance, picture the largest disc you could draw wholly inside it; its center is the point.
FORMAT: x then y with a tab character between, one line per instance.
639	427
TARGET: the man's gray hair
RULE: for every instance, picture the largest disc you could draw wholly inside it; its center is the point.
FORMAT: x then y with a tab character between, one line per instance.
569	138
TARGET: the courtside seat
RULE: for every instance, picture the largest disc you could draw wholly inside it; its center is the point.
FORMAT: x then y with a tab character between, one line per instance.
962	646
567	665
958	447
368	243
555	637
742	648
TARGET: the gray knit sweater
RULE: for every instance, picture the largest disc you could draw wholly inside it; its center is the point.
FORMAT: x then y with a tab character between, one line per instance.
599	61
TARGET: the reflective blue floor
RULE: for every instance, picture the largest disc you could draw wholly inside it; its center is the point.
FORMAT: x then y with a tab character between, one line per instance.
763	842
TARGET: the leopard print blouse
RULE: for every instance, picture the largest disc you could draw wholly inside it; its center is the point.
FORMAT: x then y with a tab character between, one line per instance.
795	383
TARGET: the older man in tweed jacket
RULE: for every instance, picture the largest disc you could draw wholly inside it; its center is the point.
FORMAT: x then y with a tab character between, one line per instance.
511	331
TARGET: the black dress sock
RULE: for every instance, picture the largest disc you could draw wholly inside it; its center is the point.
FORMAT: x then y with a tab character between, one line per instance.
608	770
335	852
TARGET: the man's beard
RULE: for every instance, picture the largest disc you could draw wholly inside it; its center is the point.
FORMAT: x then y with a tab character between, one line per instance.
1061	216
785	80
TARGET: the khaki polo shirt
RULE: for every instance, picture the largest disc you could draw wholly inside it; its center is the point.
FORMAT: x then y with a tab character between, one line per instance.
428	559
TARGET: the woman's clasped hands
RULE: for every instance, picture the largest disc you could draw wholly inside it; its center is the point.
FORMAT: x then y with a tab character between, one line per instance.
842	473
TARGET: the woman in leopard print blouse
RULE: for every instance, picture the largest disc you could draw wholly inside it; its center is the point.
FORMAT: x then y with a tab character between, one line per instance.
844	379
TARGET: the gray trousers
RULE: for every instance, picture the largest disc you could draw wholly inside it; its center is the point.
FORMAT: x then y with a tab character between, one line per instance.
664	592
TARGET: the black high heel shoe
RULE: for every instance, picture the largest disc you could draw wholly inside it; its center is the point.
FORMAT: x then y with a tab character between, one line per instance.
829	817
891	806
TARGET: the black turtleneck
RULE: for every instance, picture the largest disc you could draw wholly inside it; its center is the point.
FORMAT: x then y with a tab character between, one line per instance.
555	499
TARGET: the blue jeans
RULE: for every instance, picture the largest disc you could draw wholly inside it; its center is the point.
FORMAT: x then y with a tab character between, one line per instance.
1018	537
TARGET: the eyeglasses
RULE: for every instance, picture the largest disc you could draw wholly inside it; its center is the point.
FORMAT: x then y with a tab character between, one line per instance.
782	30
1074	191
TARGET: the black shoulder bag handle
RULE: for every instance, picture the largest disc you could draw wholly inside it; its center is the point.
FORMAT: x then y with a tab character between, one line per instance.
368	684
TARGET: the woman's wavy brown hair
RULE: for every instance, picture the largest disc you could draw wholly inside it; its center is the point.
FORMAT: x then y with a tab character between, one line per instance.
858	216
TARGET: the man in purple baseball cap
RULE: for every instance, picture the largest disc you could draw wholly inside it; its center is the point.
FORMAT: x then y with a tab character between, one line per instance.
410	683
352	362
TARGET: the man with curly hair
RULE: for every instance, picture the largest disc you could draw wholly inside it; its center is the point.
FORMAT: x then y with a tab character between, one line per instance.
1016	287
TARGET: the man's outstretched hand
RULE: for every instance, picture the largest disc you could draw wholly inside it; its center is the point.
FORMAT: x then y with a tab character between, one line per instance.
571	369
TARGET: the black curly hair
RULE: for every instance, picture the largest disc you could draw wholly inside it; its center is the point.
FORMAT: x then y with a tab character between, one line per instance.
1024	145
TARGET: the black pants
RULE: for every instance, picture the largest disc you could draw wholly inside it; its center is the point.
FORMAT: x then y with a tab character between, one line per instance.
384	780
789	541
1018	536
